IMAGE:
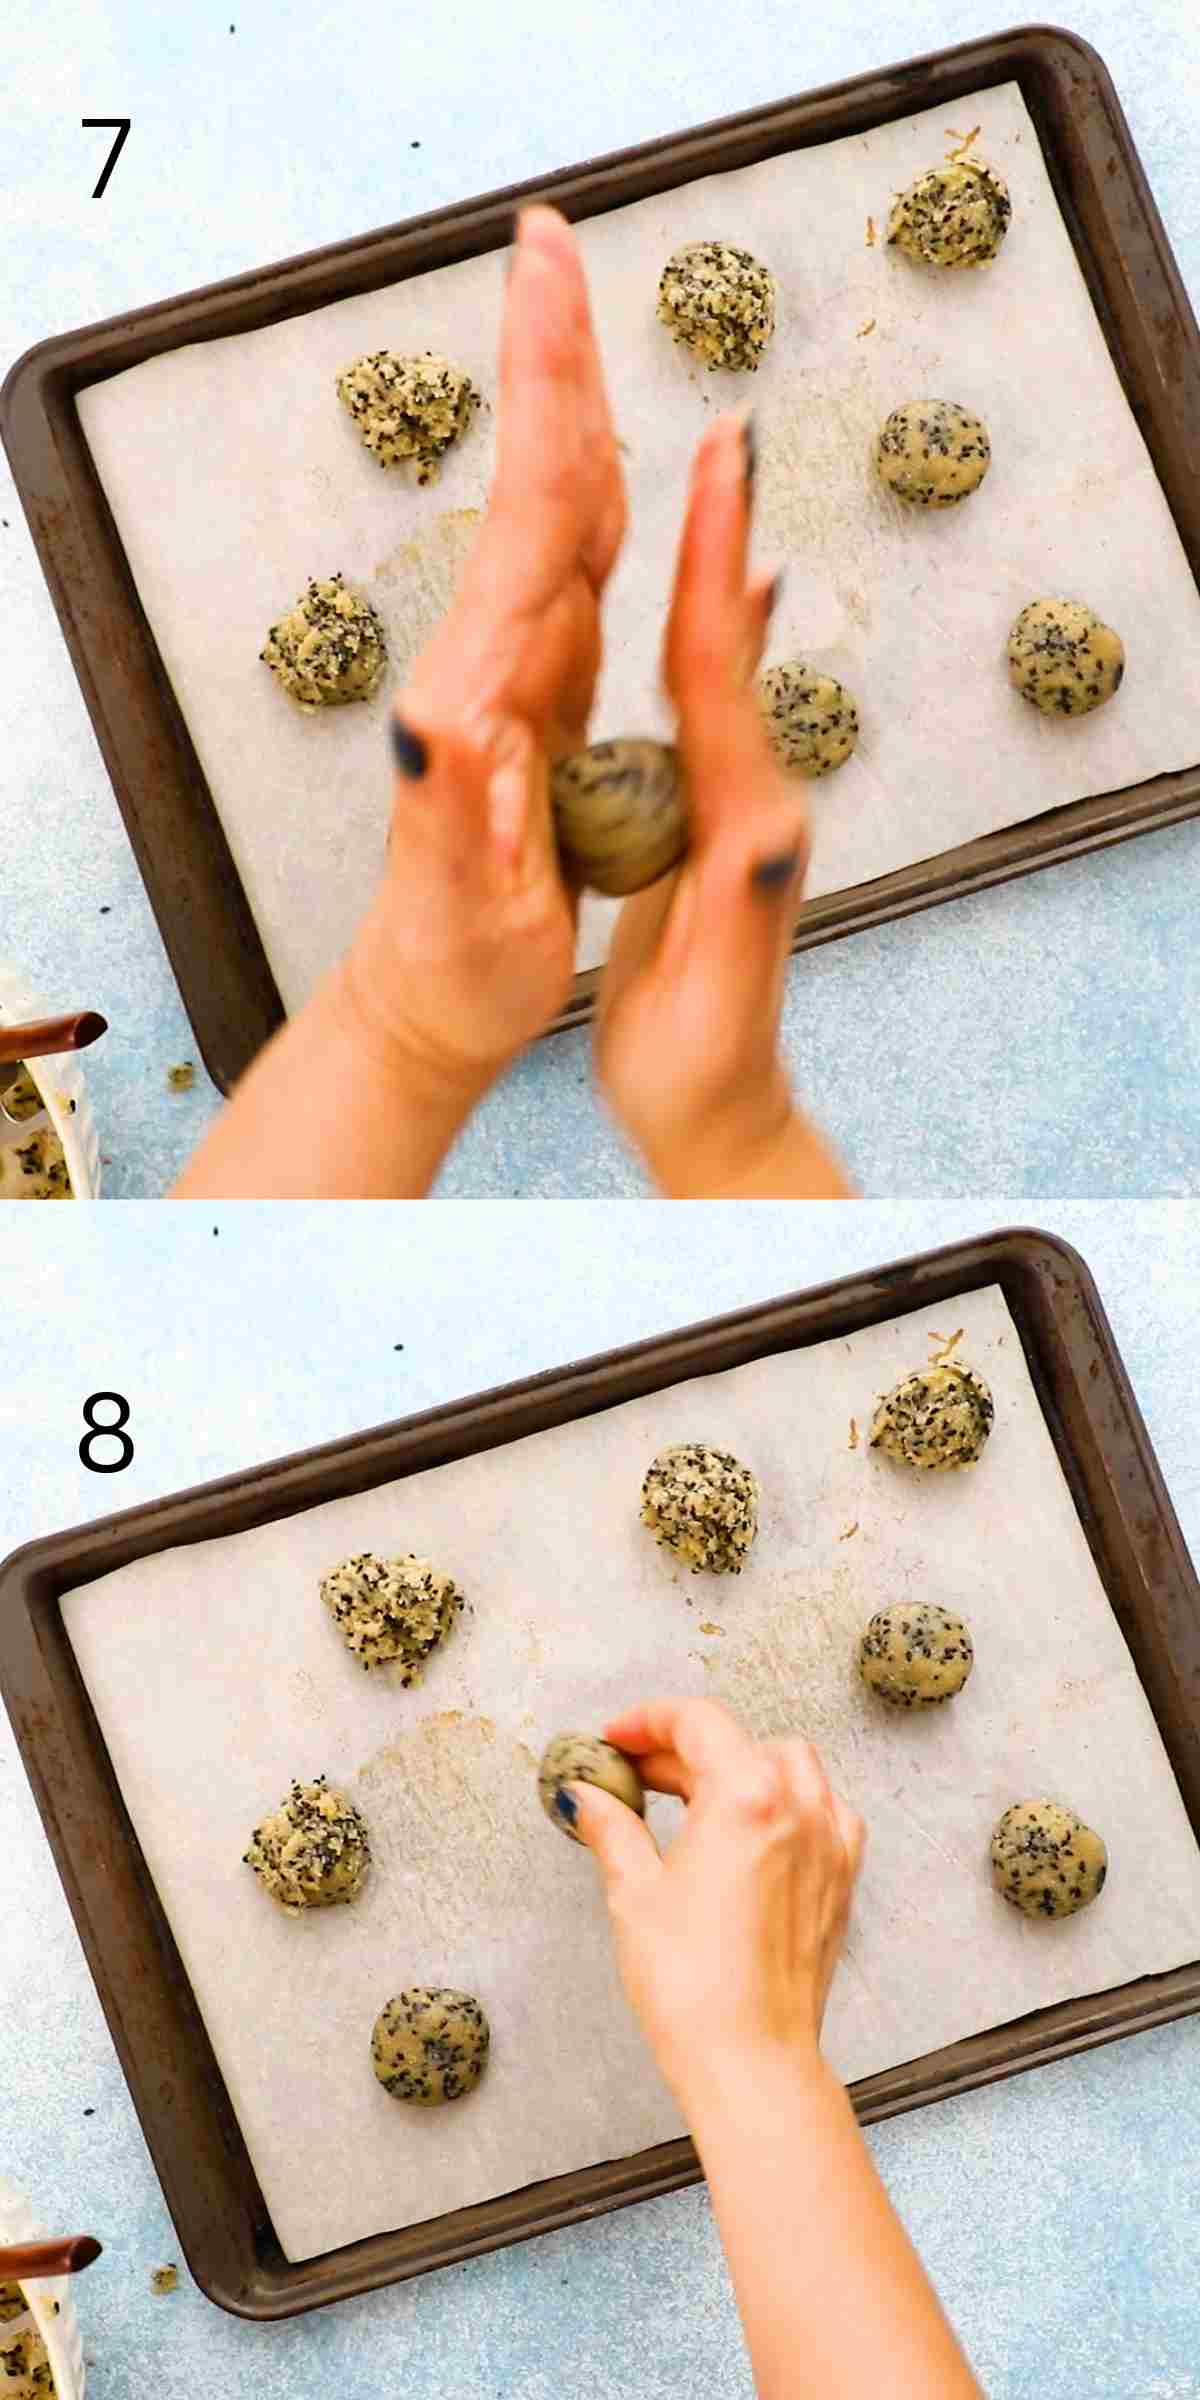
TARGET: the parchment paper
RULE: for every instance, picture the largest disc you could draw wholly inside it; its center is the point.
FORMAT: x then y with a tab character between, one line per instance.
234	473
217	1677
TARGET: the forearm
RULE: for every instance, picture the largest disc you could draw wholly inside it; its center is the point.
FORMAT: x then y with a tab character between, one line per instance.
833	2298
331	1109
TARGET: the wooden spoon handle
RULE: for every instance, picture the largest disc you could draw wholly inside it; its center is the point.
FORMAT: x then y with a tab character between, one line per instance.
47	1036
27	2262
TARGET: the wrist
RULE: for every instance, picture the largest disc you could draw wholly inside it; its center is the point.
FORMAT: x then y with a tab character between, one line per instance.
766	1152
744	2100
428	1070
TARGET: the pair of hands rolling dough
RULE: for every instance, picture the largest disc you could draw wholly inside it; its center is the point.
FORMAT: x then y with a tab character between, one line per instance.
467	951
726	1946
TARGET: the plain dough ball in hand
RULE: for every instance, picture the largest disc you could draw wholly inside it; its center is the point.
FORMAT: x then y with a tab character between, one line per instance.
955	215
702	1504
718	301
408	408
314	1851
1063	658
932	453
1046	1861
620	813
329	649
915	1654
430	2044
938	1417
391	1608
584	1758
811	720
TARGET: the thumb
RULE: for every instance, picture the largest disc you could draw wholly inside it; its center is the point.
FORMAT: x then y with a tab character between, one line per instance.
620	1841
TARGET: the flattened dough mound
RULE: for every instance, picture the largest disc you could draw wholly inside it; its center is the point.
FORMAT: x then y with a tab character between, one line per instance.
718	301
702	1504
1046	1861
25	2371
329	649
955	215
430	2044
12	2302
408	407
932	453
915	1654
811	719
314	1852
391	1608
938	1417
584	1758
1063	658
620	813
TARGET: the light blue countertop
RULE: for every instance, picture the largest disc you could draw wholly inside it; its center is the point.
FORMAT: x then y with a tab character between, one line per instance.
1059	2213
1059	1014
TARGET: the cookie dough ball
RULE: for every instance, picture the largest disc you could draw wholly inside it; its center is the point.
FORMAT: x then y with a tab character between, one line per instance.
1046	1861
36	1168
620	814
1063	658
811	719
702	1504
314	1851
940	1416
12	2302
391	1609
954	215
915	1654
329	649
932	453
718	301
584	1758
408	408
430	2045
25	2370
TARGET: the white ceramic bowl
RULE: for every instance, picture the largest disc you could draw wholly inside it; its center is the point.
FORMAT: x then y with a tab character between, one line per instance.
49	2300
62	1087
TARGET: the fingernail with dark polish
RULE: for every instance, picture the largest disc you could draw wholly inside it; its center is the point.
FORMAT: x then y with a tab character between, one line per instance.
772	873
567	1805
750	452
412	757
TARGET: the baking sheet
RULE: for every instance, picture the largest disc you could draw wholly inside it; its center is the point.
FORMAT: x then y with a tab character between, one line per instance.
241	450
216	1676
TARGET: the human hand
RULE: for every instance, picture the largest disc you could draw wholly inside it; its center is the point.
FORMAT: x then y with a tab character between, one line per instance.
468	948
687	1036
727	1943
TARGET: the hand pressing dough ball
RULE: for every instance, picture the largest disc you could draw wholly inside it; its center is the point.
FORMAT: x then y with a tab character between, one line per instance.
702	1504
408	408
391	1608
584	1758
25	2370
430	2045
915	1654
939	1417
620	814
1046	1861
1064	659
955	215
811	720
314	1852
329	649
932	453
718	301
